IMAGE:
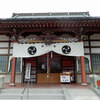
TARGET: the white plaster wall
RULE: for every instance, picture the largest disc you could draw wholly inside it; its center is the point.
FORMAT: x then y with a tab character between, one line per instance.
3	38
95	43
11	51
18	79
3	44
3	51
86	43
95	50
8	76
79	78
95	36
86	50
11	44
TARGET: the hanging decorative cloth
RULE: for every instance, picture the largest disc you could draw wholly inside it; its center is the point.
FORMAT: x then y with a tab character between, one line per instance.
37	49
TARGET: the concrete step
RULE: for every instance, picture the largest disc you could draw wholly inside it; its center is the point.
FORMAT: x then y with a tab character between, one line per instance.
39	96
30	93
33	91
36	94
34	99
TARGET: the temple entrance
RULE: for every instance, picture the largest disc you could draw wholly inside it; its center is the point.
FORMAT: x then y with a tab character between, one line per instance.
49	63
48	67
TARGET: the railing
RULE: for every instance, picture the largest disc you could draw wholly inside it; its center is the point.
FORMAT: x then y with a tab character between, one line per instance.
26	87
0	90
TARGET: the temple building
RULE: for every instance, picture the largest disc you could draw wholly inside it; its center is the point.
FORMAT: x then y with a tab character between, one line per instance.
47	47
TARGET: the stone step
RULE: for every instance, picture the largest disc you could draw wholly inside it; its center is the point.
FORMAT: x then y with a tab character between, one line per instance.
33	91
34	94
38	96
43	94
34	99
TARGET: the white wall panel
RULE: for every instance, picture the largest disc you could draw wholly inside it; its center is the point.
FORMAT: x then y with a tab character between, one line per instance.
95	36
8	77
79	78
3	44
11	50
3	51
11	45
86	50
4	38
86	43
95	43
95	50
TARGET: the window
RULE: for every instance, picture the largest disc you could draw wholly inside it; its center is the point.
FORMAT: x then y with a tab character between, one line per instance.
3	64
87	69
96	63
18	63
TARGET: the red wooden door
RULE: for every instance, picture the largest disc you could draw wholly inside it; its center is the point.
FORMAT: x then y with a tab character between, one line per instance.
68	65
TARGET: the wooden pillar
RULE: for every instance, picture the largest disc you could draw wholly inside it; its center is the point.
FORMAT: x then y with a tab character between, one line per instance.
83	71
13	72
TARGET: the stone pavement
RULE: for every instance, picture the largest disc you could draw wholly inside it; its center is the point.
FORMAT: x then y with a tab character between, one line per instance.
80	94
97	91
70	91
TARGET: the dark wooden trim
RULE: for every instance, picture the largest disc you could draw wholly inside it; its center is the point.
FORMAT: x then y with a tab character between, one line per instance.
86	46
88	73
5	54
95	46
95	53
4	41
6	47
91	46
93	40
86	53
92	54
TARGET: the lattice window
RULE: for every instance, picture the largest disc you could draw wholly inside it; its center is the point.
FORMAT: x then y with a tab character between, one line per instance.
3	64
18	65
87	68
96	63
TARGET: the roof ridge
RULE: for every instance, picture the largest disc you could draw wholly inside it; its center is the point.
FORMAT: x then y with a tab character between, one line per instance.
84	14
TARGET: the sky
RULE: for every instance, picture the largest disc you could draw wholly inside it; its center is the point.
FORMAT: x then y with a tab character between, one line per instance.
8	7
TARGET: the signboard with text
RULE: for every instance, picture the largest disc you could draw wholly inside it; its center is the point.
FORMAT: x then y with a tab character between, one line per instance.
65	78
